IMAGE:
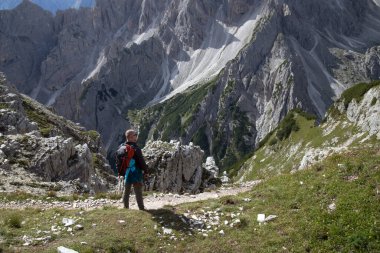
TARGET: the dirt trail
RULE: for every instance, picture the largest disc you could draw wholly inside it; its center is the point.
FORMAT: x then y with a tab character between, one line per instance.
160	200
154	201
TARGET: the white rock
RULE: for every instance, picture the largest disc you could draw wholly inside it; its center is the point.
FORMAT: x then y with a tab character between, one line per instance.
62	249
167	231
261	217
270	217
68	222
79	227
332	207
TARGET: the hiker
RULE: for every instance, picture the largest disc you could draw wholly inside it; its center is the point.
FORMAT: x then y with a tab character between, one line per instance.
130	164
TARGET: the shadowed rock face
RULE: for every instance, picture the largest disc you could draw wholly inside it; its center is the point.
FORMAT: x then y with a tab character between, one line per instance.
93	65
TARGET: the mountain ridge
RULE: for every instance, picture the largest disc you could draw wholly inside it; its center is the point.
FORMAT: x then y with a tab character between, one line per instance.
52	5
122	56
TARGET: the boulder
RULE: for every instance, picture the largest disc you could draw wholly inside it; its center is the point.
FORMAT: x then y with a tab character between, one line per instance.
175	168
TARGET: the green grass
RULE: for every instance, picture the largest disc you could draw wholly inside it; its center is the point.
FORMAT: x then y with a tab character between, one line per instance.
44	125
300	200
92	134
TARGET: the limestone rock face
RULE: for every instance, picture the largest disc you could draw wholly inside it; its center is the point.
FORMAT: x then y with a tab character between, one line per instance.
366	113
38	153
177	168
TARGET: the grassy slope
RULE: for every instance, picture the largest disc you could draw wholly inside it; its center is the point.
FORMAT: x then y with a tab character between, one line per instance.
283	156
304	223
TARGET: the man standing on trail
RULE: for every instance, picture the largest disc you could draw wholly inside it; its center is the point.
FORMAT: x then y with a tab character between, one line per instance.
131	163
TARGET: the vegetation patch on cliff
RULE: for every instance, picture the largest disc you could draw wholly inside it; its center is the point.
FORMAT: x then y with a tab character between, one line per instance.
357	92
171	118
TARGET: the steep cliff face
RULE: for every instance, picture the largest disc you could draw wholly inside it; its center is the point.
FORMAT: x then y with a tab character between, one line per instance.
263	58
40	151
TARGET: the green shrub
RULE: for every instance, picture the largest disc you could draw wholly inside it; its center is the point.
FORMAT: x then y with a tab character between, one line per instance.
357	92
4	105
14	220
306	115
287	125
96	161
40	118
45	132
94	135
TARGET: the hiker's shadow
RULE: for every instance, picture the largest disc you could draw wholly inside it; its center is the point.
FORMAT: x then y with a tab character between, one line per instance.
169	219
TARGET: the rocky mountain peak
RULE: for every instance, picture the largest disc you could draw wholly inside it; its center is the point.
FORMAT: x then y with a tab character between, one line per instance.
266	57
